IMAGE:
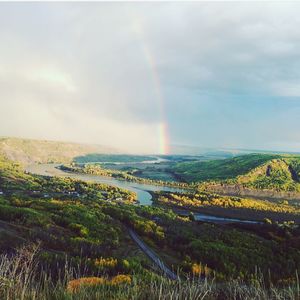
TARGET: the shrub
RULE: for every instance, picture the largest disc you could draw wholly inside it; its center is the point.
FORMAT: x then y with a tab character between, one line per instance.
121	279
79	229
199	270
106	262
84	282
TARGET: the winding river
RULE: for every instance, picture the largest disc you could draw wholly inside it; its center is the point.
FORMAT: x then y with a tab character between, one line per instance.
142	190
143	196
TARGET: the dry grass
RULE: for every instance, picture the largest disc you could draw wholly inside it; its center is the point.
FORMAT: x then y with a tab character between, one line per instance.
20	279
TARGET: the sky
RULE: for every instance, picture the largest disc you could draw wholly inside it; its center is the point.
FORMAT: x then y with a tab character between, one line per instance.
141	77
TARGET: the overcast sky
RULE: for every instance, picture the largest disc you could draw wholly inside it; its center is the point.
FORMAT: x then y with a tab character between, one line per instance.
218	74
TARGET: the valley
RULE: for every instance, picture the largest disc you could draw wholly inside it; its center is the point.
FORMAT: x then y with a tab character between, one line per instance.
100	217
149	150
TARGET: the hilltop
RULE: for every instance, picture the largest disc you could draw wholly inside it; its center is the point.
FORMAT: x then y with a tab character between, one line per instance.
43	151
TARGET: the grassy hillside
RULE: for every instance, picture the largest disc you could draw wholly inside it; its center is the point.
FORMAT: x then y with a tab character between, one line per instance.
220	169
29	151
67	217
280	174
274	172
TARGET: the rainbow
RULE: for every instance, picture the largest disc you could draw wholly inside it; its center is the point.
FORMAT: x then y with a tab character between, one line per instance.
163	131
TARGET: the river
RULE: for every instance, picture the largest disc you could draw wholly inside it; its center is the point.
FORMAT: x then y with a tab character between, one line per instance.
143	196
142	190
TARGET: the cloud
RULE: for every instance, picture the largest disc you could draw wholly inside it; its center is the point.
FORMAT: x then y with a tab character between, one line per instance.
290	89
80	71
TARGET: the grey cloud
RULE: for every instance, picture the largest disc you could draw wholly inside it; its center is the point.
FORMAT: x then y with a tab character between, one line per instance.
85	63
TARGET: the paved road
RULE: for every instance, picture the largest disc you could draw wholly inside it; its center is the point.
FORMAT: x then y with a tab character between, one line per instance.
167	272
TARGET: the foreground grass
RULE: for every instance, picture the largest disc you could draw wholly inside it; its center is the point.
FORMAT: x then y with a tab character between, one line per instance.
21	278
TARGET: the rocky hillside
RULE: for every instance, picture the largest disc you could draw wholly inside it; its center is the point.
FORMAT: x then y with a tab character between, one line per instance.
278	174
275	179
42	151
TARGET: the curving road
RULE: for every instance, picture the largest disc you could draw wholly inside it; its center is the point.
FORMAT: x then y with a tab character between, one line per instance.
167	272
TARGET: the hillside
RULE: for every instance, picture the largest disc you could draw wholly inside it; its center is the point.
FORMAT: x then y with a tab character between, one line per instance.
220	169
274	172
81	230
253	175
280	174
42	151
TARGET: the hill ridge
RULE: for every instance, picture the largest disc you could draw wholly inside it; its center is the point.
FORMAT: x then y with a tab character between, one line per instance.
29	151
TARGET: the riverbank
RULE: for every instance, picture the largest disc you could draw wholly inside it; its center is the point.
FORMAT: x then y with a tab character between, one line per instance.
237	214
239	190
225	208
